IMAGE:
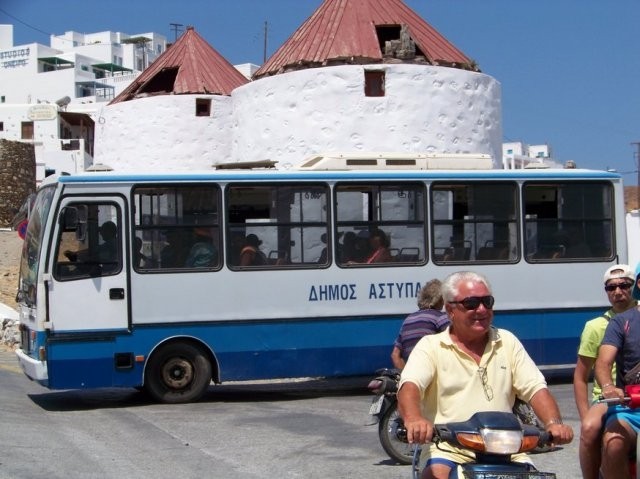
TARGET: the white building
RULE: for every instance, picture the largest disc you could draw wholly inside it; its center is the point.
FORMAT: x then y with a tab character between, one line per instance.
517	155
50	94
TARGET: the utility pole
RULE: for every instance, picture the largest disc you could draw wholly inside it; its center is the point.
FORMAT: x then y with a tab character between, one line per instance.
175	27
637	157
264	51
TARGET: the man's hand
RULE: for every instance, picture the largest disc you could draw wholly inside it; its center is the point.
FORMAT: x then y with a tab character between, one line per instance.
562	433
609	391
419	430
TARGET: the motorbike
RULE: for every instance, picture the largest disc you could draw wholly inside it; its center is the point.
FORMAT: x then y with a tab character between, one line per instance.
384	408
391	430
494	437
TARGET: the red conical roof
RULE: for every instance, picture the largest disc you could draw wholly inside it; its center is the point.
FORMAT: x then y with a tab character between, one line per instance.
354	32
189	66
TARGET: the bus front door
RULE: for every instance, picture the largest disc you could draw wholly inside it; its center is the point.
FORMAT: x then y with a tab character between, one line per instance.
87	285
88	297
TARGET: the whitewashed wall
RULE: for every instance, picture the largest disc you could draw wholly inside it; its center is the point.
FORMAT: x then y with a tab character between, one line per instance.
426	109
163	133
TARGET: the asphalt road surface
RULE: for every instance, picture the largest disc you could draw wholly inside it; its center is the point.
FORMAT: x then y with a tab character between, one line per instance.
313	429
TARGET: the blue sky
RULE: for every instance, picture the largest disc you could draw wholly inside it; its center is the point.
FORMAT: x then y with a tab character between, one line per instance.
569	69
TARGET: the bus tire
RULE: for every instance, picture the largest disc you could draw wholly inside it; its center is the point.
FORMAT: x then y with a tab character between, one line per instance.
178	373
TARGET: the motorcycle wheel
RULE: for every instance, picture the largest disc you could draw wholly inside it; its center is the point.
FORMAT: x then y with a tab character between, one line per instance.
393	436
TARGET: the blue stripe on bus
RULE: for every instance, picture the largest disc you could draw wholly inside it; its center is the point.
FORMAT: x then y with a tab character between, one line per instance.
282	175
266	350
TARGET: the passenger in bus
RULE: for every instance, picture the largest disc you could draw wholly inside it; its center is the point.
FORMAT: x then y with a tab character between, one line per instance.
322	259
347	250
620	344
467	360
251	255
108	249
378	246
618	281
379	243
174	253
142	260
429	319
203	253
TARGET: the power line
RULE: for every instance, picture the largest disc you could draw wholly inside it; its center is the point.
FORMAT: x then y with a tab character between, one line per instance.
24	23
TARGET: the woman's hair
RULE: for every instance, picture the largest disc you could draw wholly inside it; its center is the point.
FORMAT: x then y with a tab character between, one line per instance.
381	235
430	295
452	282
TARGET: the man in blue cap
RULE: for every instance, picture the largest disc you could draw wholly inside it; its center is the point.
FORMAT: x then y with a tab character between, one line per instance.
621	344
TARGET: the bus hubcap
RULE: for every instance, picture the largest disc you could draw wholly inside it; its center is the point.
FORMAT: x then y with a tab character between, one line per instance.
177	373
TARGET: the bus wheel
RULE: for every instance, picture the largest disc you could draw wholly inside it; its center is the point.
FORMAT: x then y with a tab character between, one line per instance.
178	373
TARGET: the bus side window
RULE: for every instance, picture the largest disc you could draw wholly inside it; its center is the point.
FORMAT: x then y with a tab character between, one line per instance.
475	221
568	221
380	224
277	226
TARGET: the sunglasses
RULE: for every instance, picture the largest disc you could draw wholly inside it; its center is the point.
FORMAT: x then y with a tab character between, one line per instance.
622	286
472	302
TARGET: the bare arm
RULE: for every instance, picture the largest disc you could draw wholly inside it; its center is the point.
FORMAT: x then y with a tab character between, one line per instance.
419	430
396	358
581	384
604	363
546	408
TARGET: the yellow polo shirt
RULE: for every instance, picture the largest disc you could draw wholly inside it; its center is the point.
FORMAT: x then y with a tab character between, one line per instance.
454	387
451	382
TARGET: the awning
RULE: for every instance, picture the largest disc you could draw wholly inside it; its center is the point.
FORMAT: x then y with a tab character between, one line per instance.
94	84
77	119
111	67
55	61
136	40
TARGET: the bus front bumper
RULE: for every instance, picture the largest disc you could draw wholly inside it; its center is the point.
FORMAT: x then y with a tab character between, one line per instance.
34	369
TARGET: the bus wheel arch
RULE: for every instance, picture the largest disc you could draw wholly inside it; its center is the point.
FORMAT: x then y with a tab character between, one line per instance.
180	370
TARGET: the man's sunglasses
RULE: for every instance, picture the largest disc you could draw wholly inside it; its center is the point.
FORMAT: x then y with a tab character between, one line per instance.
472	302
622	286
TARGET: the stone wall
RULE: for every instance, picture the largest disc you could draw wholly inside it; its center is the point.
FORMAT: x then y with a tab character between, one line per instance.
17	177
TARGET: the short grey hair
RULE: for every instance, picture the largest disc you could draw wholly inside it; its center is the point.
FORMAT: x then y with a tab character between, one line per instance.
430	295
450	285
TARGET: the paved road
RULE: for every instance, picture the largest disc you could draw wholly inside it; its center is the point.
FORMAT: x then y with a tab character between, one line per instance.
316	429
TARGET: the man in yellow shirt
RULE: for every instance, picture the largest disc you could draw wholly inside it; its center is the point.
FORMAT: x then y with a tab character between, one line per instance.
467	368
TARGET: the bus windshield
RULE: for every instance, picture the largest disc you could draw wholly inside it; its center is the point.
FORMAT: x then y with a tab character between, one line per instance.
30	260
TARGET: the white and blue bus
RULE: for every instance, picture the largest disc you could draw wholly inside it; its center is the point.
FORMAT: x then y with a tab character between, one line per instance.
171	281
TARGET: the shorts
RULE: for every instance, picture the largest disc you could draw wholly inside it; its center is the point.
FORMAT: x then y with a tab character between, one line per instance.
623	413
451	456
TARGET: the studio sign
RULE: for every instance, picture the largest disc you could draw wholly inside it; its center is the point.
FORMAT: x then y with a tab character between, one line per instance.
14	58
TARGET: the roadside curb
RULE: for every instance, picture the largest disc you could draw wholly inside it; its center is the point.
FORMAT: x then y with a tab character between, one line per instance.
8	360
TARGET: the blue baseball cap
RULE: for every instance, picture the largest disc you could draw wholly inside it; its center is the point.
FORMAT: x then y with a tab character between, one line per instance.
636	291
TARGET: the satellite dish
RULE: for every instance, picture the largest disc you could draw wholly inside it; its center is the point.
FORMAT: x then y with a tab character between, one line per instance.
64	101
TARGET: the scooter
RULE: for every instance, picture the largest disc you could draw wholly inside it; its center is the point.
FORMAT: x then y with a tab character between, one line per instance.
494	437
384	407
391	430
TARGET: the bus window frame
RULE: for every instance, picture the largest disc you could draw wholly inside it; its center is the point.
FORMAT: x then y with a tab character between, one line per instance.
557	255
286	263
452	249
383	224
183	227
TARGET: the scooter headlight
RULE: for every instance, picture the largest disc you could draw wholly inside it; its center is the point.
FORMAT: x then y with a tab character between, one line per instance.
494	441
498	441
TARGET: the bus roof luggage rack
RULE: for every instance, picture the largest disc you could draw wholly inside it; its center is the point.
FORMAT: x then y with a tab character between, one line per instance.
399	161
245	165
